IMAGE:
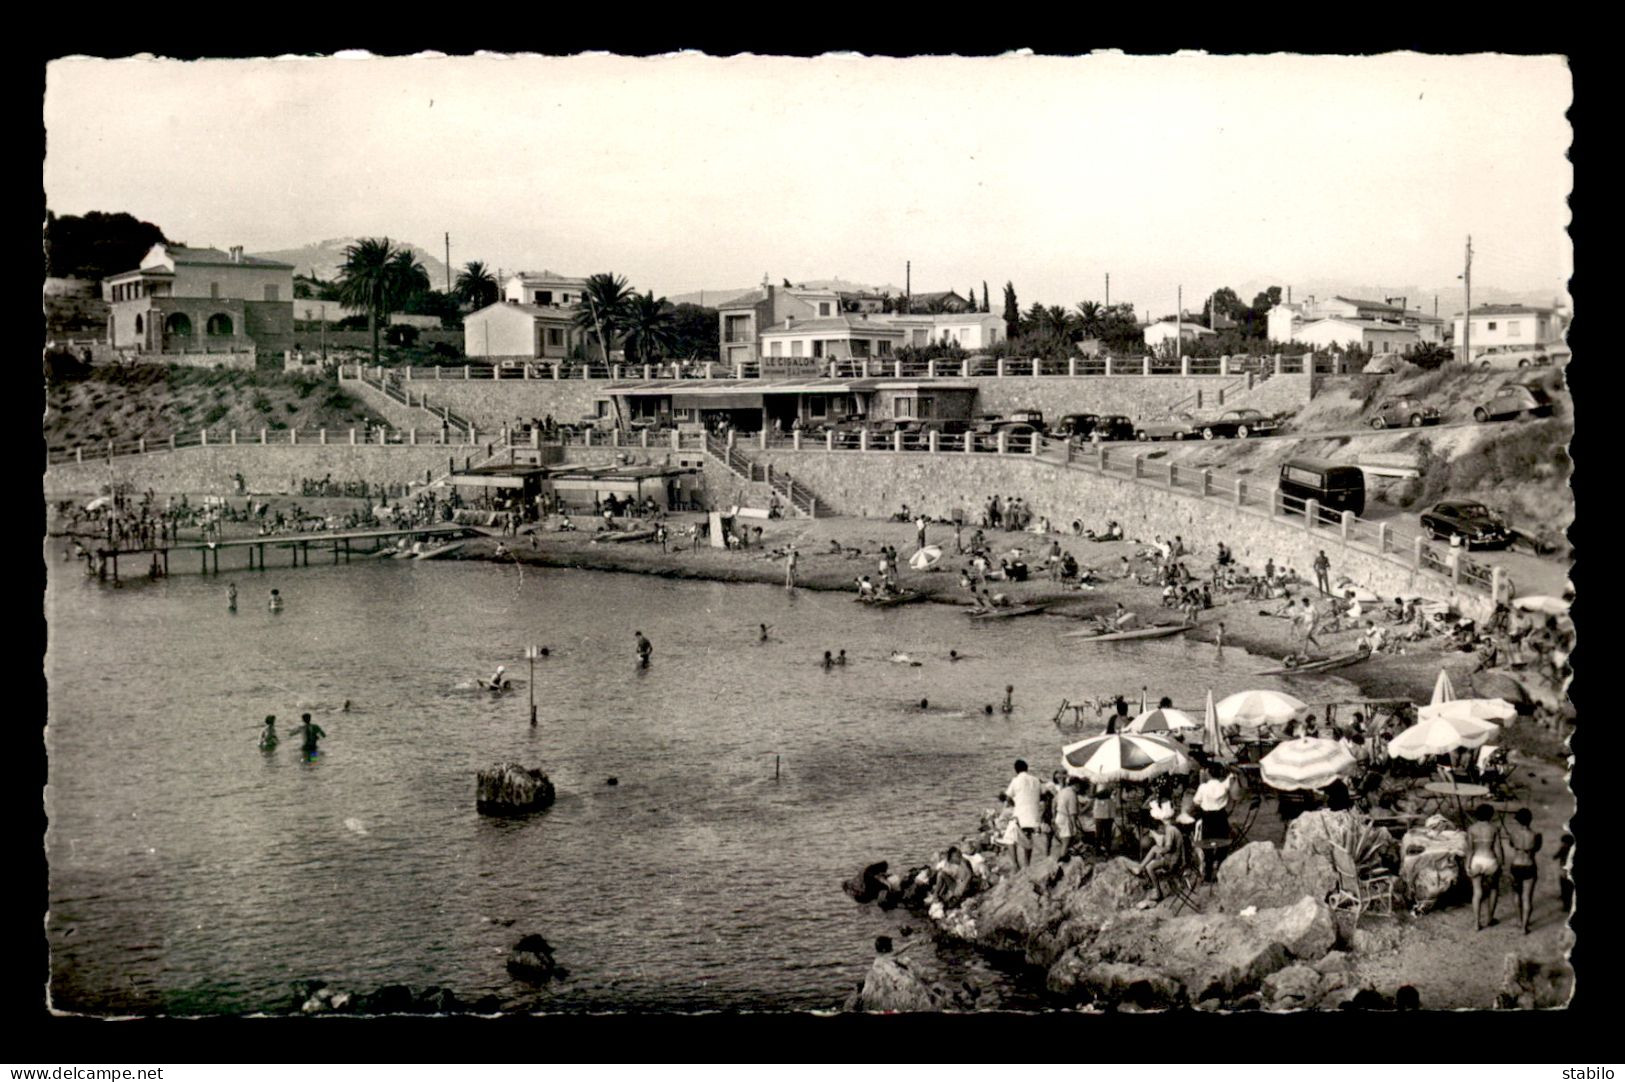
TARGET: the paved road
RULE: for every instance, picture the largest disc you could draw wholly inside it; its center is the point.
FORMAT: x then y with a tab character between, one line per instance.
1363	430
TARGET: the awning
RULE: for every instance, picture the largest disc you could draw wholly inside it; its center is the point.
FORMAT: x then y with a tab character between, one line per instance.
474	480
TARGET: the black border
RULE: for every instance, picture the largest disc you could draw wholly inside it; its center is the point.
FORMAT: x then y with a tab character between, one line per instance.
1568	1035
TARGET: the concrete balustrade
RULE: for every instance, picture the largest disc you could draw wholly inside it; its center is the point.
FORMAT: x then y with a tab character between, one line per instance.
1344	525
897	440
203	437
1311	512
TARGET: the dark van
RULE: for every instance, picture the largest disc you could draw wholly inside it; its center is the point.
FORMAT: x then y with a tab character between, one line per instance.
1338	488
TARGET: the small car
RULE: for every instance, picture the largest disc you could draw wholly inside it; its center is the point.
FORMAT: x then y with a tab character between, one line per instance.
1384	364
1513	357
1115	426
1177	427
1470	520
1514	400
1034	418
1239	423
1074	426
1404	412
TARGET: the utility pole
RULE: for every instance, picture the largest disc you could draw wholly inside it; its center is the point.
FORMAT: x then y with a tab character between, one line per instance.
448	263
1108	289
1179	323
908	286
1467	314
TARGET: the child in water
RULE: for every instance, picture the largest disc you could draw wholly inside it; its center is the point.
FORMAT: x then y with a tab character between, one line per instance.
268	737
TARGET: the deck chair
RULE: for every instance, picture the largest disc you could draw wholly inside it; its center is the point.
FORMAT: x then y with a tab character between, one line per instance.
1242	824
1185	881
1363	894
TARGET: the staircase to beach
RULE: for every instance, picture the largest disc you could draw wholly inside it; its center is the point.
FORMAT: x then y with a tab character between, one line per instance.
796	496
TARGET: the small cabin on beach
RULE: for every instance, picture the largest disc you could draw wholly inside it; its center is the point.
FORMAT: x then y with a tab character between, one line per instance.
752	405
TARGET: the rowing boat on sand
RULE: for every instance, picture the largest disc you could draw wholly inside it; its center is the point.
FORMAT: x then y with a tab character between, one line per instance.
1318	665
886	601
1005	612
1160	631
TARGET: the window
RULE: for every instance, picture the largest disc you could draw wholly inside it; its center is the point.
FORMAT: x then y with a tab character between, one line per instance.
602	408
1513	326
818	348
219	325
795	348
555	336
823	308
1490	325
214	291
775	349
564	298
273	293
902	407
883	348
816	406
736	329
178	323
928	406
140	327
544	297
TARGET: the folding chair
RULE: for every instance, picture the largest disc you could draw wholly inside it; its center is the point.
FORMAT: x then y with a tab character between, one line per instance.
1364	894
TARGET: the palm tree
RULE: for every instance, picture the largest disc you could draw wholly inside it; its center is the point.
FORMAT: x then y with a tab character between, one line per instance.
603	307
379	277
648	327
476	286
1089	315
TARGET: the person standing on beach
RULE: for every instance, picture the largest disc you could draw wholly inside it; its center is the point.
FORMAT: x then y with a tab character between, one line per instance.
790	563
1024	793
919	532
1323	570
1219	638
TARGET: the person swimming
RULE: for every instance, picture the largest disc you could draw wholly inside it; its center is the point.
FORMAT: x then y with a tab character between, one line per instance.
1007	705
498	681
276	601
645	649
764	633
840	659
829	661
900	658
268	737
231	598
310	733
954	655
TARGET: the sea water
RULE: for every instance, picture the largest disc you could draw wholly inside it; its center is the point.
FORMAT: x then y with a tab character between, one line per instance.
192	873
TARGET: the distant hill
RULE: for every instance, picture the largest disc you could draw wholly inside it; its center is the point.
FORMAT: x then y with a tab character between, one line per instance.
324	259
713	297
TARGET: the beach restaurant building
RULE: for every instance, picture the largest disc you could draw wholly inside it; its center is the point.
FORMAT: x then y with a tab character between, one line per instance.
516	486
754	405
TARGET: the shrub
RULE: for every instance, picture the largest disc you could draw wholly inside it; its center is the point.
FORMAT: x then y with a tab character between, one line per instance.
291	407
214	414
445	349
402	334
260	402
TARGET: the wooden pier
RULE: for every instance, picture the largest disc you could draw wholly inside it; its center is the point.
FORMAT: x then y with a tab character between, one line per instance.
343	544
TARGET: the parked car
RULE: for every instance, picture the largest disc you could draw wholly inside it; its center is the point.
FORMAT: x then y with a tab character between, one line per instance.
1083	426
1336	488
1034	418
1178	427
1404	412
1470	520
1238	424
1384	364
1514	356
1514	400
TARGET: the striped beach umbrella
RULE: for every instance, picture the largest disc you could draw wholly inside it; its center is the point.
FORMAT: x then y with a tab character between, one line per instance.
1163	720
1124	757
1309	762
1551	606
1254	708
1440	736
925	558
1443	690
1469	710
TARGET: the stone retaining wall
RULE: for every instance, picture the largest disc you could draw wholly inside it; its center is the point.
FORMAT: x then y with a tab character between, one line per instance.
493	403
876	484
210	471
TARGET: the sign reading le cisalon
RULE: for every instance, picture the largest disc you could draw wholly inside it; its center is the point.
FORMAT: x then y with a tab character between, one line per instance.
791	367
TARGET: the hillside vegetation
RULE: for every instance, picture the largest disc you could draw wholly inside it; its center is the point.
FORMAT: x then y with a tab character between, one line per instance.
156	401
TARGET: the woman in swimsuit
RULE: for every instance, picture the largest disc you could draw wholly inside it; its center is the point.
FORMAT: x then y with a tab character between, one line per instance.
1484	863
1522	845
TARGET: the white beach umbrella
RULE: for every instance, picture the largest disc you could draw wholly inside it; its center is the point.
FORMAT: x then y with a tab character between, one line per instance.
1469	710
1254	708
1551	606
926	557
1361	594
1440	736
1309	762
1213	738
98	503
1163	720
1443	690
1123	757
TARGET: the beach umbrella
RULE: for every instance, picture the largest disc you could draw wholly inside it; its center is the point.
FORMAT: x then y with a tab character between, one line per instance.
1551	606
1124	757
1469	710
925	558
1440	736
1361	594
98	503
1163	720
1213	738
1309	762
1443	691
1254	708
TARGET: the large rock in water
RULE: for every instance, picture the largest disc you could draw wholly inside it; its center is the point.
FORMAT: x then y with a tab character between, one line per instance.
510	789
903	984
1260	875
532	960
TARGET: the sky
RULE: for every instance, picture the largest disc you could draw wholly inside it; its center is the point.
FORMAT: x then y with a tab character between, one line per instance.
692	172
